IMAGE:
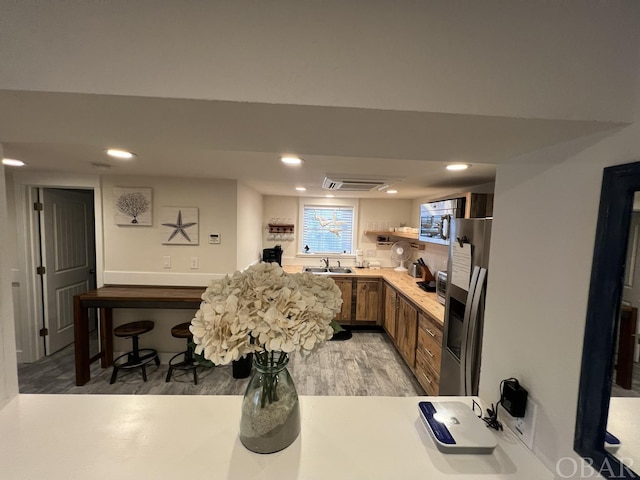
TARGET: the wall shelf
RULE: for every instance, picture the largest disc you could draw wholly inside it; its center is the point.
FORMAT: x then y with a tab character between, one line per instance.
386	233
281	228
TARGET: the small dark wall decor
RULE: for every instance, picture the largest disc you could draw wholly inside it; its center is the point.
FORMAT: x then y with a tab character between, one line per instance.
132	206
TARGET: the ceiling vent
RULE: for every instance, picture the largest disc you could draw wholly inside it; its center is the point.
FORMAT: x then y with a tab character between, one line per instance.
351	184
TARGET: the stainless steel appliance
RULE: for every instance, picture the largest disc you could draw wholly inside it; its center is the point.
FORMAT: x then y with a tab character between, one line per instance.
464	311
415	270
441	287
435	219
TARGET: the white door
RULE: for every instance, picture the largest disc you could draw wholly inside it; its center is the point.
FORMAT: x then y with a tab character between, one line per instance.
68	255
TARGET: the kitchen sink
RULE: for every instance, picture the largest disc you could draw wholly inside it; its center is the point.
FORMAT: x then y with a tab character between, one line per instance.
315	270
340	270
330	270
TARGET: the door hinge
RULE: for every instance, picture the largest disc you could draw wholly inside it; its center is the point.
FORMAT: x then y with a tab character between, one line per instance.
37	206
41	270
44	332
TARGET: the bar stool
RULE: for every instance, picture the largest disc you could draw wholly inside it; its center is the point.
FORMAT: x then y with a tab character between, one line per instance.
188	362
136	358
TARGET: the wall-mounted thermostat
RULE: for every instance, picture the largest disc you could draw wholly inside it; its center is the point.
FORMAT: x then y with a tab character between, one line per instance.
214	238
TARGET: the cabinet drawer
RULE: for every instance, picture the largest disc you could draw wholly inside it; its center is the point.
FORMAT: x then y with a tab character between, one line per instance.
431	349
429	380
431	327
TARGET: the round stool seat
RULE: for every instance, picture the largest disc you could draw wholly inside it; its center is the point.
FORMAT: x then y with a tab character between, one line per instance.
182	330
138	357
133	328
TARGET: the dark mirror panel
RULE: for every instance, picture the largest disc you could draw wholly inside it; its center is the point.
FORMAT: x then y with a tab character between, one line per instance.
601	339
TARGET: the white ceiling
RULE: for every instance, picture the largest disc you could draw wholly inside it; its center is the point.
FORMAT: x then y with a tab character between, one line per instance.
240	140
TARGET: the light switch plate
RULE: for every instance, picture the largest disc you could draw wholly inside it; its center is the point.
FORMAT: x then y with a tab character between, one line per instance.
166	261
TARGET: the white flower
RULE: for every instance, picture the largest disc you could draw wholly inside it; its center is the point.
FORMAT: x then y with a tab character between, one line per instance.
264	309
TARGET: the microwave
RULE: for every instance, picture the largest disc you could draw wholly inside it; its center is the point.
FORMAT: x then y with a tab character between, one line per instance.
435	219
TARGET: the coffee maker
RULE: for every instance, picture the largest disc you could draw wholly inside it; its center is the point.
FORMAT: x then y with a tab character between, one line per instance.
271	255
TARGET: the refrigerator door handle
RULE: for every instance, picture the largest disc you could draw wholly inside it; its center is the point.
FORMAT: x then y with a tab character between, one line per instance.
465	330
472	338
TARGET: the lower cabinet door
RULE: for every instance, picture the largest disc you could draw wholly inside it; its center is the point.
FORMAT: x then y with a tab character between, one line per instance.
346	287
407	330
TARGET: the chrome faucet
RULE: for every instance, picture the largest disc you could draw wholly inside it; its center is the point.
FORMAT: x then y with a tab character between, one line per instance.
338	263
326	262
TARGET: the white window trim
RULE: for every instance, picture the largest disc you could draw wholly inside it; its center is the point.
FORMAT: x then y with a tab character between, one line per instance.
327	202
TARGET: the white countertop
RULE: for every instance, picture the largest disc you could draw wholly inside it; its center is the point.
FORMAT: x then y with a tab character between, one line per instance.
120	437
624	423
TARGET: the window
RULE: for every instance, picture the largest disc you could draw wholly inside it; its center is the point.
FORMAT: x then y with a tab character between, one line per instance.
327	229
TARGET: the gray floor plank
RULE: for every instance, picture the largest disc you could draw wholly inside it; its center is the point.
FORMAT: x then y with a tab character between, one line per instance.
367	364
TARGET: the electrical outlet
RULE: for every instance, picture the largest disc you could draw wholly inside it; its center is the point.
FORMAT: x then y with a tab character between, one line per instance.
371	252
523	428
194	262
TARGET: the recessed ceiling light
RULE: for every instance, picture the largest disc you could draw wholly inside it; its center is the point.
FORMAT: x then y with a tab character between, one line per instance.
458	166
12	162
290	160
301	189
122	154
392	191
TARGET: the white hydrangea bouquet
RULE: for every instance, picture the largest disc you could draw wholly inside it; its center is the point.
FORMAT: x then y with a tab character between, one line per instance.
264	310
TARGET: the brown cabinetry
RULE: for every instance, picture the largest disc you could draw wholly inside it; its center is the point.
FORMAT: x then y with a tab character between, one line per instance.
346	287
417	336
368	300
428	353
361	300
406	330
389	321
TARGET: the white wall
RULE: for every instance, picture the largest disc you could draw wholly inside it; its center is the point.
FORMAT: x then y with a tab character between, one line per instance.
249	227
495	57
133	255
8	370
546	207
380	214
388	211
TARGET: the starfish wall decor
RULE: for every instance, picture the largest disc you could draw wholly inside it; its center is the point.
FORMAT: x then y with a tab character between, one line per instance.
180	225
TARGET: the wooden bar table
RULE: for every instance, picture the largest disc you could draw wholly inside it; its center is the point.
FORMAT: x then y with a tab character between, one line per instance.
119	296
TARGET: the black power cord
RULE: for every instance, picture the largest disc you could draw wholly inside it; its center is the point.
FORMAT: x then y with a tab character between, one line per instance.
491	419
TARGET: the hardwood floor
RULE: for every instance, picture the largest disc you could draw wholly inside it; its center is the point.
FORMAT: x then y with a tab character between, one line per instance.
367	364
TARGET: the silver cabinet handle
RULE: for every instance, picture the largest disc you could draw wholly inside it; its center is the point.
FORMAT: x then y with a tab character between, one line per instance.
426	378
429	352
430	332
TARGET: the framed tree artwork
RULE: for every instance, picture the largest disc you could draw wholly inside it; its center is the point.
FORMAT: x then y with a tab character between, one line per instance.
132	206
179	225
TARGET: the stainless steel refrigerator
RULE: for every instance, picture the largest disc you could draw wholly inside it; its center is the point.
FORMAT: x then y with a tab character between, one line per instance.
464	307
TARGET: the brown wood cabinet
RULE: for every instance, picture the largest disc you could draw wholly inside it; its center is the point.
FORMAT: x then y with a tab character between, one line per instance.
361	300
389	321
346	287
368	300
417	336
407	321
428	353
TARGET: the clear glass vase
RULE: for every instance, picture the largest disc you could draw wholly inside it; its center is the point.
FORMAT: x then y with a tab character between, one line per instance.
270	418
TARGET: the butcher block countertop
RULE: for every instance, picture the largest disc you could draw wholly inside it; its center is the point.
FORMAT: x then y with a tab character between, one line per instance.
401	281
